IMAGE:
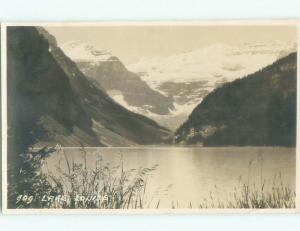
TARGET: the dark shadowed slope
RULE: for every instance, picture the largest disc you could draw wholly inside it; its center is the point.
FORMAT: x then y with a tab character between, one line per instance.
259	109
50	101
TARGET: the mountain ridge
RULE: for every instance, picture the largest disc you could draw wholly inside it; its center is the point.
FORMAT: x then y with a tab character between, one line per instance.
56	103
259	109
124	86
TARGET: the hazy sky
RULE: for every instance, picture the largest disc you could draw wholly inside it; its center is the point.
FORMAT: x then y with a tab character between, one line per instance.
130	43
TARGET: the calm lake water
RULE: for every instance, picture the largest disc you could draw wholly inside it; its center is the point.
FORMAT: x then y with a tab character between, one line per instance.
189	175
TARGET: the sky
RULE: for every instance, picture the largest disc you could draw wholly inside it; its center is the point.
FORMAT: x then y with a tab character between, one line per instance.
130	43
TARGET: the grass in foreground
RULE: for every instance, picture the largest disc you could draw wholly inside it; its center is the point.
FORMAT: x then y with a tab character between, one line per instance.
253	197
105	187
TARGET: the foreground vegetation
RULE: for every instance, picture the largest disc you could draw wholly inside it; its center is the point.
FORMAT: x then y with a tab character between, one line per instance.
74	185
257	197
101	186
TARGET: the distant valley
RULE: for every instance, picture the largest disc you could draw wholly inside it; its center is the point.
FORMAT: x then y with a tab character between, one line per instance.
219	95
188	77
167	89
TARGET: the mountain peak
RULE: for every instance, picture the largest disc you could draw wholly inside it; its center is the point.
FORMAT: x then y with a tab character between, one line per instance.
79	50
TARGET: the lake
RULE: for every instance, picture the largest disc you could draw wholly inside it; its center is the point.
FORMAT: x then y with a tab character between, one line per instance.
187	176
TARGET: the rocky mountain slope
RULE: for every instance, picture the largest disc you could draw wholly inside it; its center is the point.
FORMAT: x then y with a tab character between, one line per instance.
51	101
259	109
188	77
124	86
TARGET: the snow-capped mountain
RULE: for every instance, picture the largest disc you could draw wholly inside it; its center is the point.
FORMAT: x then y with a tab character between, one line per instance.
189	76
81	51
257	110
125	87
167	89
210	63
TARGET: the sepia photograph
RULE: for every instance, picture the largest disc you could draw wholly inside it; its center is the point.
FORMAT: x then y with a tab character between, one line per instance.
147	116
